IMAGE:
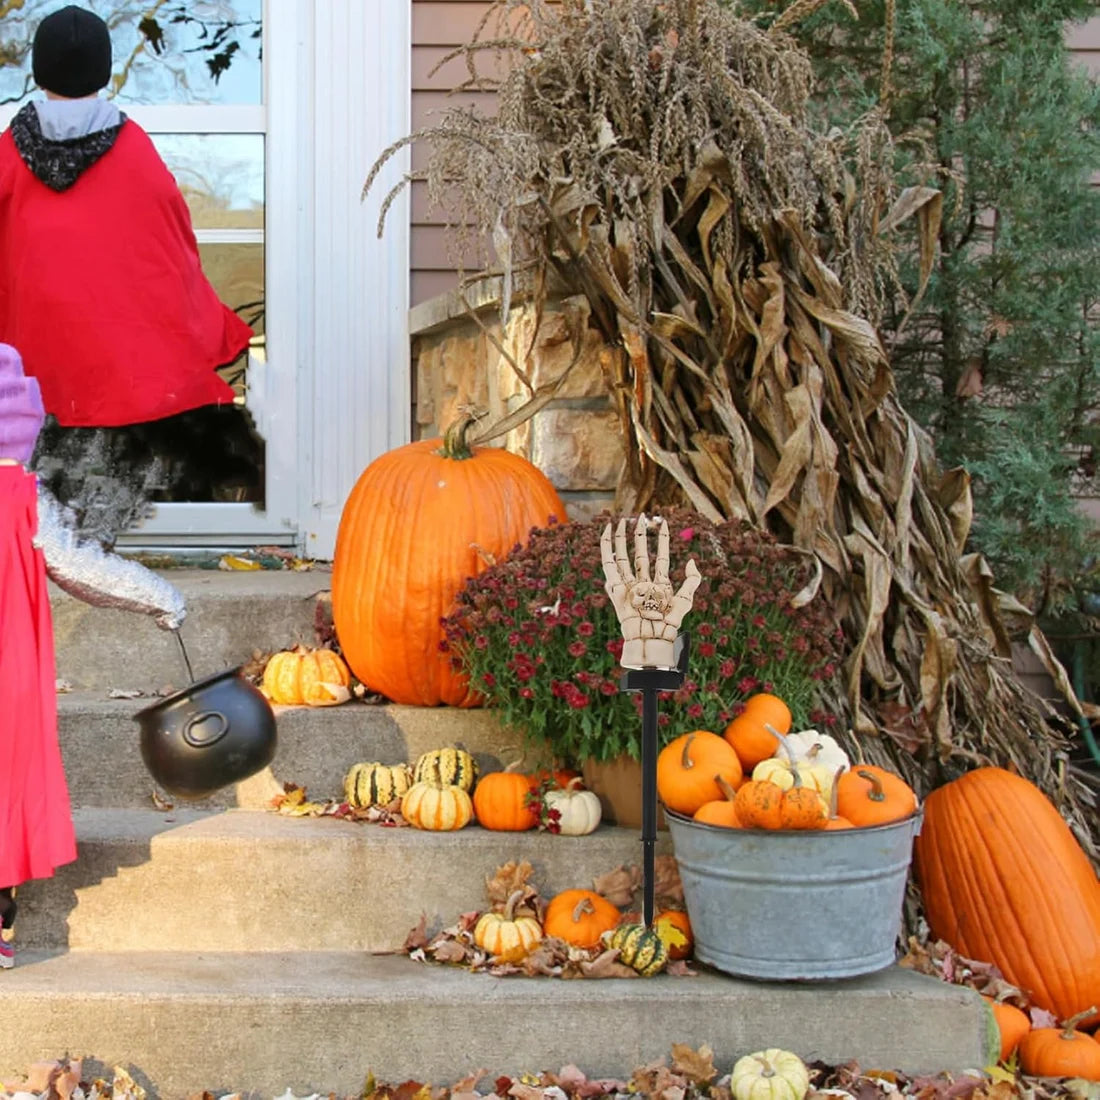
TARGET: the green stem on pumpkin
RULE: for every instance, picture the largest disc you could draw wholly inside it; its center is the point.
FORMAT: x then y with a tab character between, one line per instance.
454	443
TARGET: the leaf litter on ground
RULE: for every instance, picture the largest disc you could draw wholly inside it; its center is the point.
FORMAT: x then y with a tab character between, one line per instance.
689	1073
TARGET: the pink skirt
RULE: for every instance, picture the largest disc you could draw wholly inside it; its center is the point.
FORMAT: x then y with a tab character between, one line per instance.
36	828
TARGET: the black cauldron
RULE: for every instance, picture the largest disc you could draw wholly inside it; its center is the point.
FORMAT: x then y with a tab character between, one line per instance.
217	731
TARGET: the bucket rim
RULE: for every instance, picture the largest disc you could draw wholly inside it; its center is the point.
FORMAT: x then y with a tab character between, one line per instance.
189	692
862	830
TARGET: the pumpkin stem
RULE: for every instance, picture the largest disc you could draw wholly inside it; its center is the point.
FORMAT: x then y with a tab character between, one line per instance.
1069	1027
834	794
510	905
454	438
686	761
784	744
574	784
728	793
583	906
768	1070
876	794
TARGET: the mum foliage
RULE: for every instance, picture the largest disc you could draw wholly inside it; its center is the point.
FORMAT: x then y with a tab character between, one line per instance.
537	634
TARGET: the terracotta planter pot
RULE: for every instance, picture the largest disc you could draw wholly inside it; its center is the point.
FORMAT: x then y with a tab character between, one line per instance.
618	783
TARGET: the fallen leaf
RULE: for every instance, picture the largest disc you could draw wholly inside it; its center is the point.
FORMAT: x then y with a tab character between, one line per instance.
605	965
618	886
507	879
418	936
448	950
234	563
696	1065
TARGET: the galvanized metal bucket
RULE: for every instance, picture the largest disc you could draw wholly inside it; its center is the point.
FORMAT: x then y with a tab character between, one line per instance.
794	905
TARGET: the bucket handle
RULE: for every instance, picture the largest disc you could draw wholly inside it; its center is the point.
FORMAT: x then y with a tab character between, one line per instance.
199	739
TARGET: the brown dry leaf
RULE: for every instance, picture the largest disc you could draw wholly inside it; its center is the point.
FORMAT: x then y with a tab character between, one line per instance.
418	936
412	1090
547	958
618	886
605	965
448	951
696	1065
506	880
903	725
525	1092
668	890
466	1087
658	1081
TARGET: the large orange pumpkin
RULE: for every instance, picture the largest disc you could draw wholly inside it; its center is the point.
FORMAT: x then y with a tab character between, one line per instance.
1005	881
420	520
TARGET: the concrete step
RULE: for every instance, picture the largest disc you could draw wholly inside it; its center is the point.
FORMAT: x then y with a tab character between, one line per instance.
246	880
229	616
100	744
320	1022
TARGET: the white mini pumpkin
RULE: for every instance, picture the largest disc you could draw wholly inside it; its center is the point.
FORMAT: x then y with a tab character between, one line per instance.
580	810
817	748
771	1074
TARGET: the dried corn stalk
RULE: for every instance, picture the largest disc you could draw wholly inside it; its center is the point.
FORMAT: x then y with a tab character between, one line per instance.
660	159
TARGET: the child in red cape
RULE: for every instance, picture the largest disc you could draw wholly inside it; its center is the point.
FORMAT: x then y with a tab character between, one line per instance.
102	291
36	541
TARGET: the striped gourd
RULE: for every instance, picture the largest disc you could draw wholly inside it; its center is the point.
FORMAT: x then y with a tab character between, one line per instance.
453	767
376	784
436	807
641	948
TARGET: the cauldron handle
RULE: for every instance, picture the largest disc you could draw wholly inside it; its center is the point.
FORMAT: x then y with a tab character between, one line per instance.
197	741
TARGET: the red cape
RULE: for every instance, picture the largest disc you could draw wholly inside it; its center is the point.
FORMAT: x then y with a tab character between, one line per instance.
102	292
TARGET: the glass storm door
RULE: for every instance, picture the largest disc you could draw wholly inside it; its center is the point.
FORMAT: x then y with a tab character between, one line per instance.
192	74
270	114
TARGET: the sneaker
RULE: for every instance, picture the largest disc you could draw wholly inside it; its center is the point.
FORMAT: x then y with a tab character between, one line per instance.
7	954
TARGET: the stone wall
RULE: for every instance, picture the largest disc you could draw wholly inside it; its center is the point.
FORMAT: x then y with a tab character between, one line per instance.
575	439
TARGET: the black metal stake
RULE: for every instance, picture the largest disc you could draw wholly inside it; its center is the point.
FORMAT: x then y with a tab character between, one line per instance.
650	681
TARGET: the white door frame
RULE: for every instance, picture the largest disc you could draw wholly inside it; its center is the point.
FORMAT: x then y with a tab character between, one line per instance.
335	391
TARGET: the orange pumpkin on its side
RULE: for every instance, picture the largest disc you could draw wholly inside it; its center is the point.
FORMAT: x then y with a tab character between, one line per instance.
420	520
1005	881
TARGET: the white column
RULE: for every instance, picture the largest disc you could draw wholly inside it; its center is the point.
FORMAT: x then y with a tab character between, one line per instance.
354	381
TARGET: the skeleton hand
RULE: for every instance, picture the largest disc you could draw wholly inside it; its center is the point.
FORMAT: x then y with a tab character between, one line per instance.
649	611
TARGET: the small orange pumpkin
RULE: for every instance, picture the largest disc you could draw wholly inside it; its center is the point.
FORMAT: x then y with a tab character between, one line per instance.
1061	1051
1013	1024
501	801
721	811
868	795
759	804
802	807
688	770
749	734
580	917
310	677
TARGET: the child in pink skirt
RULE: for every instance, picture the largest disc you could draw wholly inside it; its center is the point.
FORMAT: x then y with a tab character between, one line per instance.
36	540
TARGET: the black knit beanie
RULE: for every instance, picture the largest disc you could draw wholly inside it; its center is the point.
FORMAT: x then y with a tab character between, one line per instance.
72	53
